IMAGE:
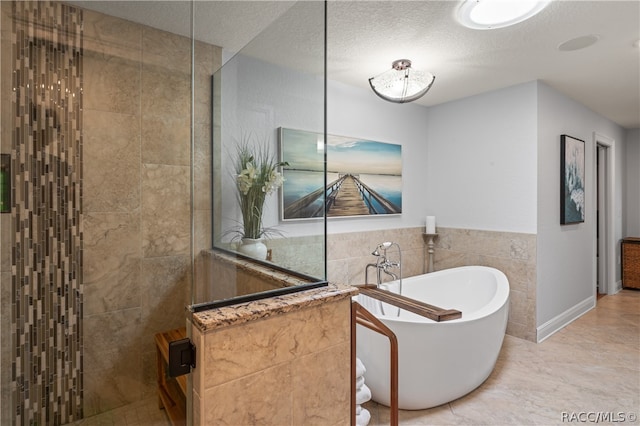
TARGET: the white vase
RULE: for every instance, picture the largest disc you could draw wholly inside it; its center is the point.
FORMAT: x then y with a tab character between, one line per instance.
254	248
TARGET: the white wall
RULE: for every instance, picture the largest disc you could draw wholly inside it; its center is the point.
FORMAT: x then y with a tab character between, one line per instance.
258	95
257	98
471	162
566	253
360	113
481	161
632	199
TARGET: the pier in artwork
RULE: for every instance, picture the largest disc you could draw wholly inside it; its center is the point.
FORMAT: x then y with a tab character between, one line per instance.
345	196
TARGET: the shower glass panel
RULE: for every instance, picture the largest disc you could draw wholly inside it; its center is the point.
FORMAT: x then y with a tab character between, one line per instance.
96	248
276	81
117	138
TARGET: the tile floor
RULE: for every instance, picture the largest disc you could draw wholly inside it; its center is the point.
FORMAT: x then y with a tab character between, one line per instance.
591	366
142	413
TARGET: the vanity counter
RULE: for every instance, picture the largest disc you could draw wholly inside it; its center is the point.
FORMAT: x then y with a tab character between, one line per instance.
258	309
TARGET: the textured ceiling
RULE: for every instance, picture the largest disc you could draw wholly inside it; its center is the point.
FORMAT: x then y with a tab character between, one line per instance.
365	37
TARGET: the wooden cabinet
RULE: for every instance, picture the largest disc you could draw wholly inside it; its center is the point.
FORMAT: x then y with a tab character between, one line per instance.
631	262
171	391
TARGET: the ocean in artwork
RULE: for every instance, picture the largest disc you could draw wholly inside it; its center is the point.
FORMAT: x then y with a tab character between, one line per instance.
367	176
299	183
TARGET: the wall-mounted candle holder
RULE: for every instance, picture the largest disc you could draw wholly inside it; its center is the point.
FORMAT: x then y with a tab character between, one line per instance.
429	239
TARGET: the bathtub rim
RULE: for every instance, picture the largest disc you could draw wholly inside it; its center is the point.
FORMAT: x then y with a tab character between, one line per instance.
499	299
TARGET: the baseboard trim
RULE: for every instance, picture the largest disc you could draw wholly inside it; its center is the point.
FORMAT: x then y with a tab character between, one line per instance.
560	321
617	287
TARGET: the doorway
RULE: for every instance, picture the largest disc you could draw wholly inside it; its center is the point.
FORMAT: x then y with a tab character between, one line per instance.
601	220
604	244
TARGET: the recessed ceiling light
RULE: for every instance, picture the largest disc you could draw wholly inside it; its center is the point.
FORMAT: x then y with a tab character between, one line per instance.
491	14
579	43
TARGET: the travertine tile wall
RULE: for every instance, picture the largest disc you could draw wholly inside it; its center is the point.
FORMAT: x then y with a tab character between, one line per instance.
513	253
137	197
349	253
219	280
288	369
223	276
300	254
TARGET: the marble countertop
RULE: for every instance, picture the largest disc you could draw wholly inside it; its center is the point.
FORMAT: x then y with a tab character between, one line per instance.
219	317
263	308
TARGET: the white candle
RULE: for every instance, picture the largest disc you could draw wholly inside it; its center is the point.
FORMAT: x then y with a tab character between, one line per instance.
431	224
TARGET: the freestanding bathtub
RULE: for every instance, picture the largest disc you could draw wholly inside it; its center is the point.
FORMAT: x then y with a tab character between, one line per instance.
437	361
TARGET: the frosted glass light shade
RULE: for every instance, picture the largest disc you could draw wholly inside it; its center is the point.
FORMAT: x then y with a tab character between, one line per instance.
492	14
401	83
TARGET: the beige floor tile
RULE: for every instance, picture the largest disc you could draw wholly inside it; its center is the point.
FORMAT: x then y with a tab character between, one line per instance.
141	413
592	365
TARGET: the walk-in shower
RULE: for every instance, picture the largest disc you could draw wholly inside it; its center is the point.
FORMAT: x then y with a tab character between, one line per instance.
113	128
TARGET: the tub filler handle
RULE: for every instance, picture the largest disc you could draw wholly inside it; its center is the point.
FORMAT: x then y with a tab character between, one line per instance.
417	307
361	316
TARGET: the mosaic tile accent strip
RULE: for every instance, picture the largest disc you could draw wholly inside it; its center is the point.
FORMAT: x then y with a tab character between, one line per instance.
46	260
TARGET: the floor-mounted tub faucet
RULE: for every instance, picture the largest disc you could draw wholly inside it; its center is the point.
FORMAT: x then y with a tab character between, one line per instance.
383	264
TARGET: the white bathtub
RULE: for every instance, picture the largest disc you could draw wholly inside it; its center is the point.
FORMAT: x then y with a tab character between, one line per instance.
438	362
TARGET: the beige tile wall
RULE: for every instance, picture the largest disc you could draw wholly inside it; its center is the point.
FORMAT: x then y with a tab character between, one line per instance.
513	253
300	254
137	96
218	280
349	253
289	369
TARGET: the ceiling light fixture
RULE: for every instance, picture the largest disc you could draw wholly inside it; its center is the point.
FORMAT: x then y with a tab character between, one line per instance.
401	83
491	14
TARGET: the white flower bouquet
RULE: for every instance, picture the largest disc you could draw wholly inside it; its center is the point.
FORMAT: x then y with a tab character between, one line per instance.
257	176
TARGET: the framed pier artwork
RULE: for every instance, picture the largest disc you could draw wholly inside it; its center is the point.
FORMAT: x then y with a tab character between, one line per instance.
572	180
364	177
